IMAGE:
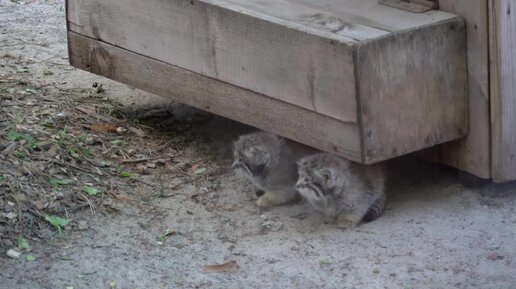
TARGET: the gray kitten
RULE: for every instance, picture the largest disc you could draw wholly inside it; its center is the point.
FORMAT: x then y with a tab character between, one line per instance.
345	191
270	163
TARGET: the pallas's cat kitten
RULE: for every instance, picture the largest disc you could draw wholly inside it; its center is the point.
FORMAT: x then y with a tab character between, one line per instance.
346	192
270	163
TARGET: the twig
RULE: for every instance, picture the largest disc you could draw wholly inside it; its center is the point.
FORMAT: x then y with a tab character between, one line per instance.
69	165
143	182
92	208
141	160
10	148
31	43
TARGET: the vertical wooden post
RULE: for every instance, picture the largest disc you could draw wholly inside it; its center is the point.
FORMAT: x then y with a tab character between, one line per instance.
502	42
473	153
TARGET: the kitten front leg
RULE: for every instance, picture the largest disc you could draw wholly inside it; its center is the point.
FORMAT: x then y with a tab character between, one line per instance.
348	220
270	199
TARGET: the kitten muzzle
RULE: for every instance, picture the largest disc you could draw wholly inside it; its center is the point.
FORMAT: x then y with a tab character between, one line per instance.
238	166
303	187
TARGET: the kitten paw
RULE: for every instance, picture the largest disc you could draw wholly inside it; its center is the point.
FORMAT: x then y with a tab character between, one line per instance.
346	221
346	224
269	200
264	203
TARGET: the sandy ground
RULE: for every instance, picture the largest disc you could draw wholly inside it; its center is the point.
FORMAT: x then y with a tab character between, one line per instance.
434	234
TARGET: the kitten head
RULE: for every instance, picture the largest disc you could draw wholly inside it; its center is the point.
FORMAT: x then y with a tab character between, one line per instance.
255	153
320	176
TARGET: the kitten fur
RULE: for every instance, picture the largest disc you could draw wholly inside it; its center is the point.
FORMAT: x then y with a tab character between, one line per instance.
342	190
269	162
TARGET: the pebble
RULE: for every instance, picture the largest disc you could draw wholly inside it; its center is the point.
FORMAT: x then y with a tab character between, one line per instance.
10	215
82	225
272	225
6	243
13	253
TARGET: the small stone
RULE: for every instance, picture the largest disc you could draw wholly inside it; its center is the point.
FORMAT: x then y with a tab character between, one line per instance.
10	215
13	254
20	198
40	205
273	226
142	169
82	225
495	257
150	165
6	243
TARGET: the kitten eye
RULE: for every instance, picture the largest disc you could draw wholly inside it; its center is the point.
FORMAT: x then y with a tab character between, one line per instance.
326	175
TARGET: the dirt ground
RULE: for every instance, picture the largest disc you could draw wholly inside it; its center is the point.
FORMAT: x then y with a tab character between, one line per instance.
165	203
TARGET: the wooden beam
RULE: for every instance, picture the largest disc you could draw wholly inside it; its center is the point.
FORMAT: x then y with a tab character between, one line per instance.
248	49
208	94
413	97
393	80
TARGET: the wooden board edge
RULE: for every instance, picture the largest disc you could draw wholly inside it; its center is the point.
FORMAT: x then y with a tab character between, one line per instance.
211	95
374	113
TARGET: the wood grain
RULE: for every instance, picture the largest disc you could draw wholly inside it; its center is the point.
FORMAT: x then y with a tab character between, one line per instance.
341	76
257	52
413	96
214	96
503	89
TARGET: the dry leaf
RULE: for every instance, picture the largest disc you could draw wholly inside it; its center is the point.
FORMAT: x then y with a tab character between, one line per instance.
123	197
170	167
142	169
495	257
104	127
228	267
137	131
85	110
194	167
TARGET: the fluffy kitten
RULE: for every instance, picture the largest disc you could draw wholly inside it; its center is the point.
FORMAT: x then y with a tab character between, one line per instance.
270	163
343	190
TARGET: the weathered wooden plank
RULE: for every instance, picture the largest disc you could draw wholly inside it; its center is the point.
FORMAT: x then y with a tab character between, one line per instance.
473	154
298	51
413	97
376	83
208	94
355	12
299	66
503	89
